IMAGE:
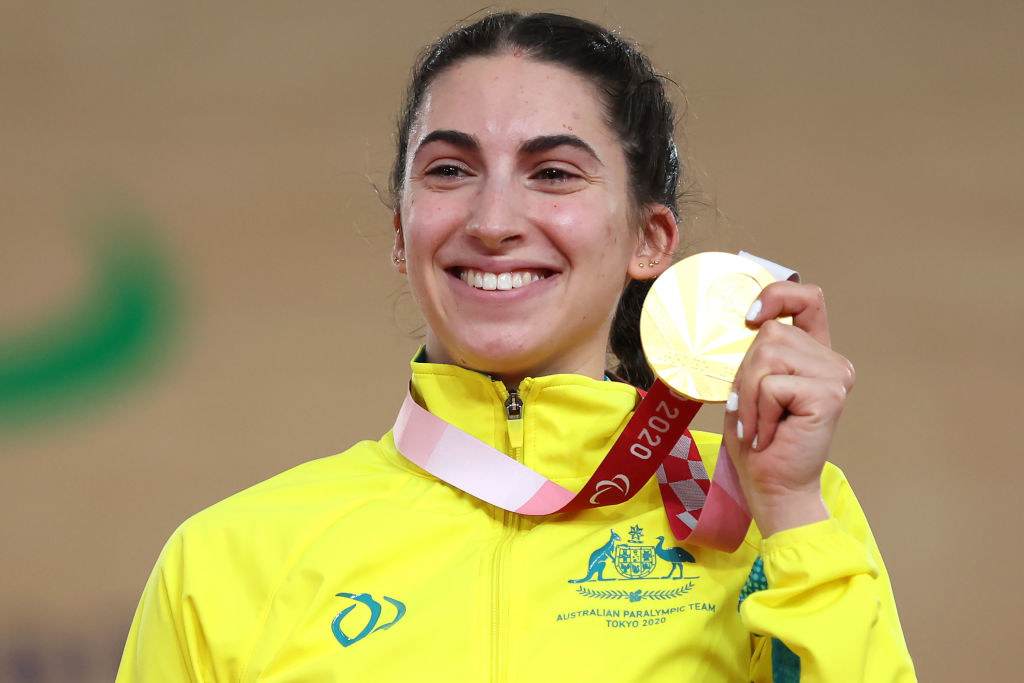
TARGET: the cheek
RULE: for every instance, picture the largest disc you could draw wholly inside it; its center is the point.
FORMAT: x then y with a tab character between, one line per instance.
429	219
570	217
583	227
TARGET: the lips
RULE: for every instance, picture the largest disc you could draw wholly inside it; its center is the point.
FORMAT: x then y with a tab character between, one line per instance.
504	280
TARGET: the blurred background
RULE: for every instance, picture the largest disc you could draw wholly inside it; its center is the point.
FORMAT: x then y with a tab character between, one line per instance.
196	293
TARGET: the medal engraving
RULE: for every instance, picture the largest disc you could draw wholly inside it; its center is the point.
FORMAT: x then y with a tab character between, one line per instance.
723	371
729	298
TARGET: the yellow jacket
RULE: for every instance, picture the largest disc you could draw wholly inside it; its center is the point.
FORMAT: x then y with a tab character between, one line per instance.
361	567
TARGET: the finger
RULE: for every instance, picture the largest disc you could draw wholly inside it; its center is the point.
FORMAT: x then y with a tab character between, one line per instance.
785	349
741	406
778	349
729	434
793	397
806	303
790	350
772	399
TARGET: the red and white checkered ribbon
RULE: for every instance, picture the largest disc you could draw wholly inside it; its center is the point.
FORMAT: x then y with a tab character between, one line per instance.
709	512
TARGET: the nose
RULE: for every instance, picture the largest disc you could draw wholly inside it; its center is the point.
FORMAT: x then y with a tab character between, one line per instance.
496	221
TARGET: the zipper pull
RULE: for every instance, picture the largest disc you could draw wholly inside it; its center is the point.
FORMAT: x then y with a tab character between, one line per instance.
514	411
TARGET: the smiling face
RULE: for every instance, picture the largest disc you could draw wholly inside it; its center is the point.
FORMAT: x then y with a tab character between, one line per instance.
516	221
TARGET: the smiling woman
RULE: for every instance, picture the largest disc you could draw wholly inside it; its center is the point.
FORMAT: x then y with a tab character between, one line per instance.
534	200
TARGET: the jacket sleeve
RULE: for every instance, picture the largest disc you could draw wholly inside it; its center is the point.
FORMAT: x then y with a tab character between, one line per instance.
821	603
166	641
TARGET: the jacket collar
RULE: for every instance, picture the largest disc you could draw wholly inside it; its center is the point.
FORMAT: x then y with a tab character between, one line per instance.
569	422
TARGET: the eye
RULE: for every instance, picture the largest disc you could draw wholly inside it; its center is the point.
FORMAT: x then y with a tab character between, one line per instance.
554	174
446	171
560	178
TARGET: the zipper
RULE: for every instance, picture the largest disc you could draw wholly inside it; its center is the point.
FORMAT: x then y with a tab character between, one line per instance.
514	411
510	523
500	601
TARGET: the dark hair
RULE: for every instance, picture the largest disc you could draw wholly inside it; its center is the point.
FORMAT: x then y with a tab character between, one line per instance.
638	111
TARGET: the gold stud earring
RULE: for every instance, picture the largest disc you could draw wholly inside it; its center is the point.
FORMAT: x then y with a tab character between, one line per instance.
398	259
653	263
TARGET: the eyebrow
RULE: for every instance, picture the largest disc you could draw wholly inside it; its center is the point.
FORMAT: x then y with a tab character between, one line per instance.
541	143
452	137
545	142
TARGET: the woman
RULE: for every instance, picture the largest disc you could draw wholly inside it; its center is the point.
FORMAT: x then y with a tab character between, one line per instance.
535	188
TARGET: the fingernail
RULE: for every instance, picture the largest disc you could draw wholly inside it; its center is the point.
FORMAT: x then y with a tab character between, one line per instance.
733	402
753	444
755	308
739	429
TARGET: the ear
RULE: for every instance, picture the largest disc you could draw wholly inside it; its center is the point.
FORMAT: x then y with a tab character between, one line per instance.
658	241
398	251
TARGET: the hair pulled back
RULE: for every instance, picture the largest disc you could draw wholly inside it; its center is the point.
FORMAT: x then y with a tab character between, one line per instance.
637	109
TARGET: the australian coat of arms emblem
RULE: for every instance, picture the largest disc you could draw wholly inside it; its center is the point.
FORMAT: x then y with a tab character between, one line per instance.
619	560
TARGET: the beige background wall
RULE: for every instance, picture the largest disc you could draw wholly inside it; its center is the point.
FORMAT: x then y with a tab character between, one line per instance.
875	145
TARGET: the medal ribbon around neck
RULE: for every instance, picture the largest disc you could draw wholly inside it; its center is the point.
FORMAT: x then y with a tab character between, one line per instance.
712	513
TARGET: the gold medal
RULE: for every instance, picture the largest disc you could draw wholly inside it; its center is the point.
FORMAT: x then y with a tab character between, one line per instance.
693	324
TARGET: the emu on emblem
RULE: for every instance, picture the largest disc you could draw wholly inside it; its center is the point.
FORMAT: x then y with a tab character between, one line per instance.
634	561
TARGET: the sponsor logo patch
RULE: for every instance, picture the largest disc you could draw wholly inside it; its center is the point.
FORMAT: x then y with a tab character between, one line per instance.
372	619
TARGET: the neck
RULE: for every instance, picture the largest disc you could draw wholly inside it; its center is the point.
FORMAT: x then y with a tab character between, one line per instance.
511	377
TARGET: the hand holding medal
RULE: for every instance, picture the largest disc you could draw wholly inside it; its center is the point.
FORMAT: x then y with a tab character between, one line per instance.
713	334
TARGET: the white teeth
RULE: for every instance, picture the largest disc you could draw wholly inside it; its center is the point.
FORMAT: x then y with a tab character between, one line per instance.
498	281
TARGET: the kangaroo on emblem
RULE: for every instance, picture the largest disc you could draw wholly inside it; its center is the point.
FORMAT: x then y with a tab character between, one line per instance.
598	559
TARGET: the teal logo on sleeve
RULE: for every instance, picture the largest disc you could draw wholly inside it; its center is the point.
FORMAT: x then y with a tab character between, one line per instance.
372	623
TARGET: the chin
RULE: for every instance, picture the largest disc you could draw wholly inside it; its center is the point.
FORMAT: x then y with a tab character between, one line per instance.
500	357
496	353
514	351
